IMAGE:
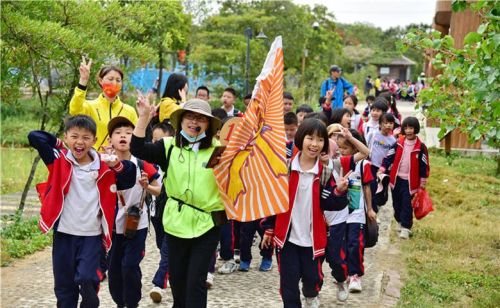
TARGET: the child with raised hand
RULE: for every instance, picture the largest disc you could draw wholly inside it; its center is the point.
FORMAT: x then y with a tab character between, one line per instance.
359	194
380	142
78	202
300	233
129	243
107	105
408	165
336	251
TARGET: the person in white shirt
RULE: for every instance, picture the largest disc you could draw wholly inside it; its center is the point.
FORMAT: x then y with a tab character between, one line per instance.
129	239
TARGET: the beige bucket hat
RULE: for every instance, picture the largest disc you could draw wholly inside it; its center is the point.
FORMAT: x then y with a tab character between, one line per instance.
198	106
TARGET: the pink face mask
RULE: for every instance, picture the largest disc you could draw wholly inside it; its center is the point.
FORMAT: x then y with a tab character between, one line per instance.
111	89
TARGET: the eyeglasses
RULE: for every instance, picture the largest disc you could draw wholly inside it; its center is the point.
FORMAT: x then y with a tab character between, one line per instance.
198	117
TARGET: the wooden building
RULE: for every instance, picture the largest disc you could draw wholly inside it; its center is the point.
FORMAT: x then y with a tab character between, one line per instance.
393	66
457	25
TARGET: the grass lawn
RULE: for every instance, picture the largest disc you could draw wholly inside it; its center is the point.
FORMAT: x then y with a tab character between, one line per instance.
453	258
16	165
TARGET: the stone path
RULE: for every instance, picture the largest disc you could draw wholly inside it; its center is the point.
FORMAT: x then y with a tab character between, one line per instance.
29	282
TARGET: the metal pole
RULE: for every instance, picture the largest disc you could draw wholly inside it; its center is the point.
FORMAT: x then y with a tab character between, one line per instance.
248	34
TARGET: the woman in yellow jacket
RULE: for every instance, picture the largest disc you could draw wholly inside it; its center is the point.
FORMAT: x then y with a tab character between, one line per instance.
107	106
175	94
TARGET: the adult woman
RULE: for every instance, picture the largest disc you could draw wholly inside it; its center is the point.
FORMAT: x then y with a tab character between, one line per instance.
193	196
175	93
105	107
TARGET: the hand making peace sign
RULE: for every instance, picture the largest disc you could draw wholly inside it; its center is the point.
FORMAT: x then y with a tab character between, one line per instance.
85	71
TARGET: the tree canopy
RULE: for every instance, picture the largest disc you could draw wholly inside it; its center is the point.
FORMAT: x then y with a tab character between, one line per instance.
465	94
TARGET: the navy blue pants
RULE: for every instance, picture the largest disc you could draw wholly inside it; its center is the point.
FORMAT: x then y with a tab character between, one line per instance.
75	263
355	248
401	201
161	276
336	251
124	271
229	239
296	263
189	259
247	231
374	186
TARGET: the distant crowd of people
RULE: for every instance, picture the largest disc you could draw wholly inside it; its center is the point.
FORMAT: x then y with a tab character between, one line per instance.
406	90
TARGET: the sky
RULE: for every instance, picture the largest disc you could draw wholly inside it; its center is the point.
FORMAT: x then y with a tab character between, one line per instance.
381	13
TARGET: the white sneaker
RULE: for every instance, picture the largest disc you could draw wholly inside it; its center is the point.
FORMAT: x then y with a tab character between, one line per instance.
237	255
210	280
228	267
312	302
156	294
399	227
355	284
342	293
404	233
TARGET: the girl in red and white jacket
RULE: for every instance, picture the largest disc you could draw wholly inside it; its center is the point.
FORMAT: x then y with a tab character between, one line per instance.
300	233
408	166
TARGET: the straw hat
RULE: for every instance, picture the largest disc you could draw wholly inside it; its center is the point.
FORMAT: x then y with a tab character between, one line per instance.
334	128
198	106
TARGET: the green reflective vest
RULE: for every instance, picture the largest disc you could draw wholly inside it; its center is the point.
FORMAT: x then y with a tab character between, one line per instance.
188	180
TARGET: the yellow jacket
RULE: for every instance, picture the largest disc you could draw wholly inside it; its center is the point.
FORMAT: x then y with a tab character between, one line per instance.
101	111
167	106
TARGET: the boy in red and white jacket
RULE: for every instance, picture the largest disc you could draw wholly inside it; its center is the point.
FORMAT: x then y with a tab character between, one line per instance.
408	166
78	202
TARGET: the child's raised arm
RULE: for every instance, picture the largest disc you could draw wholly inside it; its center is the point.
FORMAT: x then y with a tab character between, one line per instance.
363	150
46	144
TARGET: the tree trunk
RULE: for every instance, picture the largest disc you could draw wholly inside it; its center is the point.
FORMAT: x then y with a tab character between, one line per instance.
498	165
20	209
27	186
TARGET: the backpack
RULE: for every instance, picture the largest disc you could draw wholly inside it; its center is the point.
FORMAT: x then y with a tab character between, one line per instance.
161	199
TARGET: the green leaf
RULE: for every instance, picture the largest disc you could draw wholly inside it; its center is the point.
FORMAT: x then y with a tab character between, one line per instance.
482	28
448	41
472	38
427	43
496	40
458	5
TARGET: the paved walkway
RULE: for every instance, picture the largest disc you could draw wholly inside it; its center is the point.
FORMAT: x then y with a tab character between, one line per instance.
29	282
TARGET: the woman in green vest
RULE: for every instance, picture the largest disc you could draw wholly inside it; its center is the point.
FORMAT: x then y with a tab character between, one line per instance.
193	210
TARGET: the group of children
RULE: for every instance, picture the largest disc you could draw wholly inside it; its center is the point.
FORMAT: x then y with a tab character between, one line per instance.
93	199
362	149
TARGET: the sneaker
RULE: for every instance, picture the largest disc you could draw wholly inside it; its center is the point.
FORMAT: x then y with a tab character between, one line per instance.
155	294
342	293
228	267
210	280
399	227
312	302
244	266
266	265
355	284
237	255
404	233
